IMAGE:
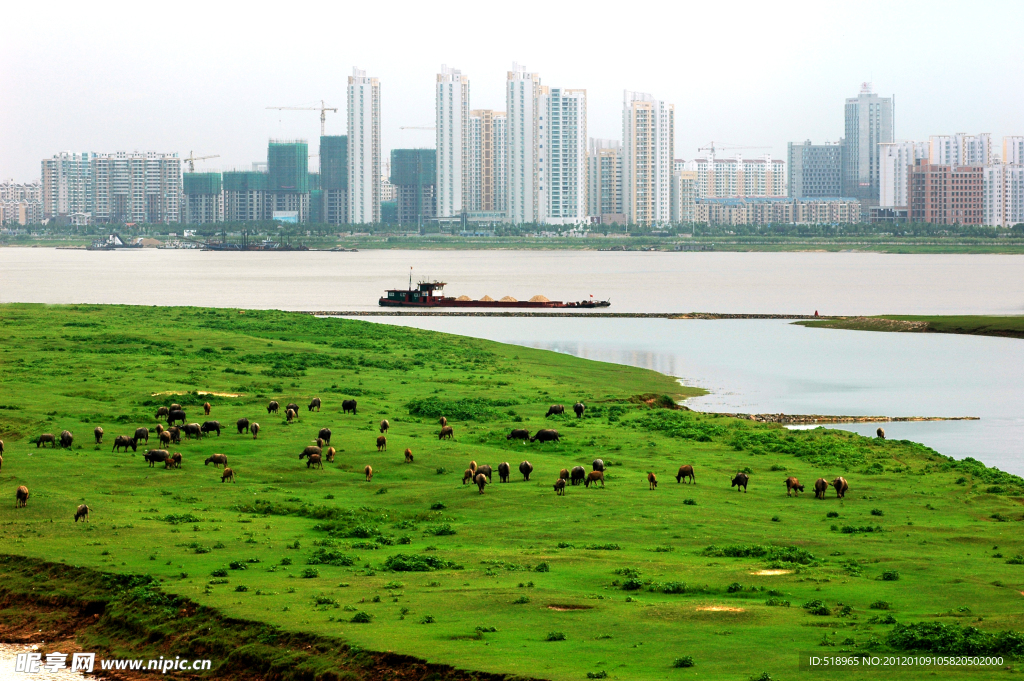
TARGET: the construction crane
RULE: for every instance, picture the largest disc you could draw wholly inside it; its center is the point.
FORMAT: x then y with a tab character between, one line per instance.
191	160
417	127
323	109
710	146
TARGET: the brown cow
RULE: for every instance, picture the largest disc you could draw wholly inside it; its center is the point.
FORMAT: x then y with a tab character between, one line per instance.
315	403
175	407
468	475
98	434
793	486
21	497
652	481
560	487
311	451
82	512
1	462
217	460
841	487
481	481
254	429
593	477
443	421
228	474
384	426
563	474
408	455
141	434
165	438
174	461
555	410
446	432
820	486
290	414
159	428
44	438
880	433
382	443
206	408
315	461
330	455
162	411
369	473
472	466
123	441
684	473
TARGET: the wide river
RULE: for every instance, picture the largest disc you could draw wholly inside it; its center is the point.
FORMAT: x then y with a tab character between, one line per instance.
749	366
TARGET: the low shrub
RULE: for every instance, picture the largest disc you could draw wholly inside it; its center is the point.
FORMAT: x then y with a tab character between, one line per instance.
880	605
362	618
597	675
219	572
402	562
684	661
555	636
816	607
442	530
542	567
777	602
890	576
832	514
689	502
952	639
324	556
786	554
877	511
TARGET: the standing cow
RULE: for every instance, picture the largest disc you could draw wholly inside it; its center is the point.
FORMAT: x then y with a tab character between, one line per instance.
526	468
684	473
255	430
503	471
243	425
384	426
315	403
273	407
206	409
793	486
740	480
652	481
97	433
555	410
382	443
348	406
579	408
820	487
447	432
841	487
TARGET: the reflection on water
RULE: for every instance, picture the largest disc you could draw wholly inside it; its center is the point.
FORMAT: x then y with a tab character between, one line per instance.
773	366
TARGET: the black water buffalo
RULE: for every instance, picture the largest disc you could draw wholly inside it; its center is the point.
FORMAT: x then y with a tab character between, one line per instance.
310	451
348	406
193	429
175	416
555	410
518	434
325	435
880	433
315	403
820	487
66	439
210	427
154	456
123	441
579	408
82	512
162	411
273	407
44	438
545	435
242	425
577	474
486	470
141	434
97	433
216	460
384	426
598	465
503	471
526	468
293	407
255	430
740	480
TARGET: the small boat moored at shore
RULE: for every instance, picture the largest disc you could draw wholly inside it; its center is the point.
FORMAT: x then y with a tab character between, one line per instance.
430	294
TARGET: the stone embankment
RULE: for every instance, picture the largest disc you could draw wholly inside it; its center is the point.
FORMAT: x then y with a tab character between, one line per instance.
810	419
622	315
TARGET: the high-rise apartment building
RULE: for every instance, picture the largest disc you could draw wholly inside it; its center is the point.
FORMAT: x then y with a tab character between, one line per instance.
334	178
960	149
414	176
453	143
202	198
1003	187
363	148
684	196
247	196
68	186
562	160
737	177
1013	149
487	153
522	98
945	195
896	159
21	203
815	170
869	123
136	187
288	178
605	177
648	141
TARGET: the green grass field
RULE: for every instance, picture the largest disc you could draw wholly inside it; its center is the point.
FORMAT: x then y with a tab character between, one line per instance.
978	325
632	578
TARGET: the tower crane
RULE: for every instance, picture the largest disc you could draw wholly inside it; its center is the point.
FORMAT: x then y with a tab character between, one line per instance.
710	146
323	109
191	160
417	127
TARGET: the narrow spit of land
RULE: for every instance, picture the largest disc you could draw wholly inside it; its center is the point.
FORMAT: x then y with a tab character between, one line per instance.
603	315
296	572
975	325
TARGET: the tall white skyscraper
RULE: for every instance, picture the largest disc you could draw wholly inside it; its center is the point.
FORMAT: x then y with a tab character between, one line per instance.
487	141
648	145
960	149
453	160
869	123
522	96
605	178
896	157
363	148
68	185
562	156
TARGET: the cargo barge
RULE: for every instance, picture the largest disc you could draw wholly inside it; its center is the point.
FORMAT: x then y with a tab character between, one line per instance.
430	294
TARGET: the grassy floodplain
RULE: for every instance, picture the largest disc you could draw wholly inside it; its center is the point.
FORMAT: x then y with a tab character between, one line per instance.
632	578
977	325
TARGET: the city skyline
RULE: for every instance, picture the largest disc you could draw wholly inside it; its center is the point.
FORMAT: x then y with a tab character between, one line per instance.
752	83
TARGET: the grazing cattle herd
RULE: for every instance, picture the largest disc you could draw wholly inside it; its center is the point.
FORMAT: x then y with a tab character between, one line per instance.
480	475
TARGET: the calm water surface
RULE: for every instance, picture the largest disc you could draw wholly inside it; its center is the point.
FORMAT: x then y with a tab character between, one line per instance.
798	283
748	366
774	366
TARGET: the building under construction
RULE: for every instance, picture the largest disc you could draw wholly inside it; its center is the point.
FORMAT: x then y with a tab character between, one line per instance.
247	196
288	177
202	198
334	178
414	176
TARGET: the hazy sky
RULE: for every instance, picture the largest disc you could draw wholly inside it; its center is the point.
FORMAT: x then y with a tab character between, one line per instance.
197	76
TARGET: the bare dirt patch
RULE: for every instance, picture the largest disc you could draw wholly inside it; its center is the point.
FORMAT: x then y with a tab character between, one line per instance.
200	392
718	608
568	608
771	573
